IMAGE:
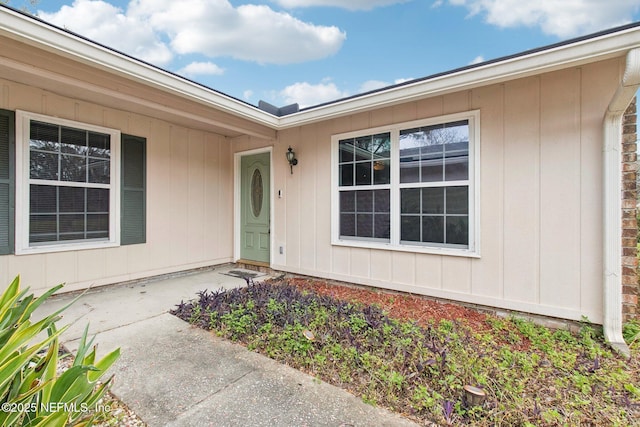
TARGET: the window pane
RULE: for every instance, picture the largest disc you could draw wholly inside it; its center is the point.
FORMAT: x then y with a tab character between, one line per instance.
433	229
73	168
43	224
364	201
382	226
346	150
382	146
457	200
364	225
433	200
97	200
74	141
44	136
456	171
72	199
347	224
72	223
448	133
382	172
43	165
431	167
410	200
382	202
363	173
98	222
43	199
410	228
99	145
458	230
346	174
99	171
364	148
347	201
411	140
409	169
456	166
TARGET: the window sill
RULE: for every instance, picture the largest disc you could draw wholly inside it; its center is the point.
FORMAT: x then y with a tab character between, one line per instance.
66	247
466	253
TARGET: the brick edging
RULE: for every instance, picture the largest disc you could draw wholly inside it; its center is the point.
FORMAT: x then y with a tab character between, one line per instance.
629	212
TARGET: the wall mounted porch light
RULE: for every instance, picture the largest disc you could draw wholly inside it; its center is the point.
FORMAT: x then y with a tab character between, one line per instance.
291	158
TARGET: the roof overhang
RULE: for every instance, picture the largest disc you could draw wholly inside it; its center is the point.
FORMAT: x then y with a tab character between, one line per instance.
598	47
46	37
561	56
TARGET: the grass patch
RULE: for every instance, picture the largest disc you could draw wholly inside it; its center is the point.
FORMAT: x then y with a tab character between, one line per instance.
531	375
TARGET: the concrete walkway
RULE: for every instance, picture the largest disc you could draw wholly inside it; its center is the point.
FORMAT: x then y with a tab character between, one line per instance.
172	374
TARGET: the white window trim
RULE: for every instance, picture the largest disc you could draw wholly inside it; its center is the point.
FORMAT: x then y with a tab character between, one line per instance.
473	251
23	119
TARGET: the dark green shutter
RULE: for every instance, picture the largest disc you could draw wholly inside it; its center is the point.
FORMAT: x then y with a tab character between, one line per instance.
7	180
133	190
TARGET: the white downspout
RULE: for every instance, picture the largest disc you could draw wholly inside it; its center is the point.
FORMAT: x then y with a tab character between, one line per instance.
613	205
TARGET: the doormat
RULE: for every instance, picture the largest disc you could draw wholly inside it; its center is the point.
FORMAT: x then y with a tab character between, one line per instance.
244	274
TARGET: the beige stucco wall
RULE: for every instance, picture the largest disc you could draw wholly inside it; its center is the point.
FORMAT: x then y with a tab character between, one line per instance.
540	194
189	200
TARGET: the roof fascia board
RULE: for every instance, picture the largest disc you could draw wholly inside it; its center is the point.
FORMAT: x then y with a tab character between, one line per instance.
51	38
266	133
585	51
42	35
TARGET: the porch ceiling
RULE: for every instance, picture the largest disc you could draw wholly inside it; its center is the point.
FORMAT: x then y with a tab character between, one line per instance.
22	63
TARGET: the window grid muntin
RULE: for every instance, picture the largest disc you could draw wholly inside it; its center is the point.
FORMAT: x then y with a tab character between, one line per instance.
63	151
92	153
471	120
62	215
377	212
352	155
445	214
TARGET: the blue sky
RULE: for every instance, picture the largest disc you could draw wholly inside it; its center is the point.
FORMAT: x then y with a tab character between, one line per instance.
313	51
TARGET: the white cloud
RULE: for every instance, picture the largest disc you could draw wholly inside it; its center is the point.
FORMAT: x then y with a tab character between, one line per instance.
398	81
477	60
248	32
247	94
153	30
370	85
201	68
565	18
345	4
107	24
307	94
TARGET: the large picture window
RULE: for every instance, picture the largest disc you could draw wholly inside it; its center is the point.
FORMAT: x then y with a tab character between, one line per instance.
410	186
67	179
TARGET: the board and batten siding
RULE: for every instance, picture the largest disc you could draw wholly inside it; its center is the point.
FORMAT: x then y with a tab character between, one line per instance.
189	209
540	198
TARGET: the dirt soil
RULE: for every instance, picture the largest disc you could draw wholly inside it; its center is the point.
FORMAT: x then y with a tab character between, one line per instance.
399	306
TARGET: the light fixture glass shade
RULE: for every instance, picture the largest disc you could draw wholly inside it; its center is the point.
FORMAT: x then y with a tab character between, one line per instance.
290	155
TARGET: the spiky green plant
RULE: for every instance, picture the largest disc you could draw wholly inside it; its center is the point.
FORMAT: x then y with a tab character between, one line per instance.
32	394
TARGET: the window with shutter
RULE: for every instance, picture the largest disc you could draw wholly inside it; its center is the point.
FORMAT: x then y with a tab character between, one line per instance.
133	194
7	163
67	186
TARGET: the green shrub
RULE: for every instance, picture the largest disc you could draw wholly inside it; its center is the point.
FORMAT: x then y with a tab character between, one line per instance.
31	392
631	332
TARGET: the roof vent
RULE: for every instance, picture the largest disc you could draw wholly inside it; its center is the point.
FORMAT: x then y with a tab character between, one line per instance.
282	111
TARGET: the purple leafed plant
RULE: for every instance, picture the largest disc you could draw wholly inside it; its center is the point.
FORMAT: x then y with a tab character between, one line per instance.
447	411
